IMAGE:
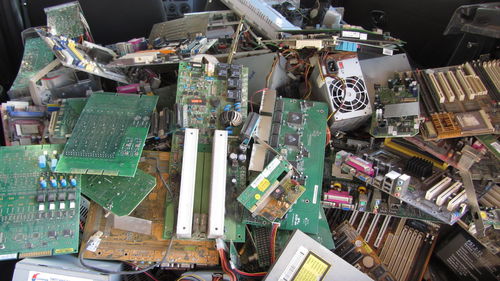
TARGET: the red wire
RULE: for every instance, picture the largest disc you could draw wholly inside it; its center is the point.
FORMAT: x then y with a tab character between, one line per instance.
224	265
250	274
251	98
135	267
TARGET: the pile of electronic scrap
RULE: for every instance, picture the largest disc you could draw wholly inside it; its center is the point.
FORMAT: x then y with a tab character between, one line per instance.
234	148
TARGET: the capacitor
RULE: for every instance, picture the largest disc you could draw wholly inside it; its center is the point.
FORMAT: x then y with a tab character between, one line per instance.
43	182
63	181
72	181
234	181
53	164
233	156
243	147
242	157
53	182
42	161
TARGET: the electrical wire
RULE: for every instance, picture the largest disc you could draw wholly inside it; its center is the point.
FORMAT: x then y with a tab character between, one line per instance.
161	176
147	273
270	74
225	267
197	277
272	241
256	92
101	270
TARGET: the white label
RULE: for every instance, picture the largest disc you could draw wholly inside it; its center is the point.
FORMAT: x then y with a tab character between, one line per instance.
42	276
315	194
294	264
496	146
351	34
387	52
363	36
8	257
270	168
93	244
257	180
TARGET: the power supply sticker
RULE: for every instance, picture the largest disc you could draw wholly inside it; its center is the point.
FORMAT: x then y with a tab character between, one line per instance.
314	268
305	266
42	276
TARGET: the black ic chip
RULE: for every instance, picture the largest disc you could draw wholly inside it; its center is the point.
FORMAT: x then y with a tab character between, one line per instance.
52	234
52	197
295	118
292	139
61	196
40	198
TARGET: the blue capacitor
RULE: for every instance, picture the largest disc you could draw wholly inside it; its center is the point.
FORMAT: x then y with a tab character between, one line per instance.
53	182
237	106
53	164
43	183
227	107
64	183
73	182
42	162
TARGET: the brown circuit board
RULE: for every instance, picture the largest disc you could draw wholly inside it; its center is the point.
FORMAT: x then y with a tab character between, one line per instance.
124	245
403	245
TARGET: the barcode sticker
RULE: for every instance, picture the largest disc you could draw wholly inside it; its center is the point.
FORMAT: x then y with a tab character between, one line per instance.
93	244
363	36
294	264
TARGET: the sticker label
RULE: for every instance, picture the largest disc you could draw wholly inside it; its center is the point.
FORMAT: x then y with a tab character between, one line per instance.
294	264
496	146
268	170
363	36
42	276
314	268
387	52
93	244
350	34
315	196
257	180
263	185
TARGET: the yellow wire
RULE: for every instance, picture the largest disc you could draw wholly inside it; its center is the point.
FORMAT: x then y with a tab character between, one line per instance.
190	275
330	116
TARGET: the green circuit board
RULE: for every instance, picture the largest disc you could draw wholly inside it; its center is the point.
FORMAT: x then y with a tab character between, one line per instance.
36	56
109	135
39	209
66	19
64	120
204	93
396	109
298	132
119	195
492	143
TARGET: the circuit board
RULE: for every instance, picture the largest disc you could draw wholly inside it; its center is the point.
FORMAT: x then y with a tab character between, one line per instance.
263	185
404	246
457	102
125	245
492	143
66	19
396	108
434	191
36	56
109	135
119	195
298	132
64	120
39	209
210	97
74	55
360	254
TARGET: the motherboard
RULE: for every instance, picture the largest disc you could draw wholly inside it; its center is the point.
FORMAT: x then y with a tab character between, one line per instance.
139	247
210	97
396	108
109	135
39	209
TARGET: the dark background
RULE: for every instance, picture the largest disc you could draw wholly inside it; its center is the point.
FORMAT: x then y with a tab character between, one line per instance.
418	22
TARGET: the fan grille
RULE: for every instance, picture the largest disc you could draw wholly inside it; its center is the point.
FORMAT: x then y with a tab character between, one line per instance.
354	98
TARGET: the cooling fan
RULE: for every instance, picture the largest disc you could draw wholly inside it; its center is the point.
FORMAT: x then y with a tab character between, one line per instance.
343	88
353	98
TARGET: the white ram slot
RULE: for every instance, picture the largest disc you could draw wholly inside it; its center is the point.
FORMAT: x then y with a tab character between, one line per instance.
381	232
455	202
438	188
447	193
217	206
188	175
